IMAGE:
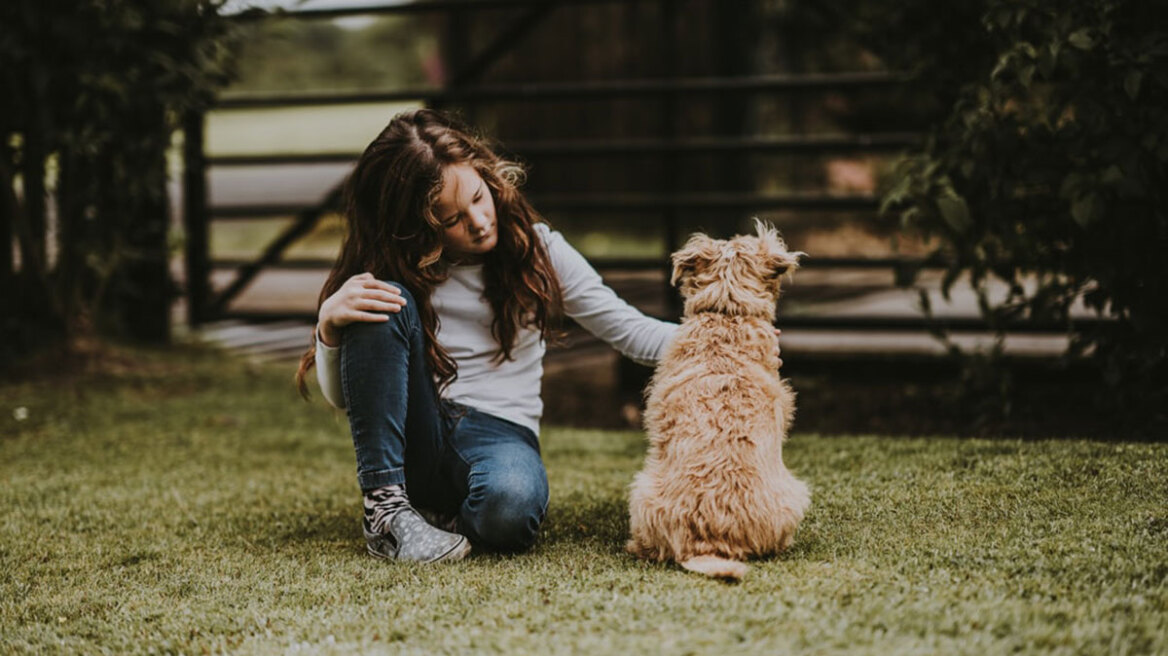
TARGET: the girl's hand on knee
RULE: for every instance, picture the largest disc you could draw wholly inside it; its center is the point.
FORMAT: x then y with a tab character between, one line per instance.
361	298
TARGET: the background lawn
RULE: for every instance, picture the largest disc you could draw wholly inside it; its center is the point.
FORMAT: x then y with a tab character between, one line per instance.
185	501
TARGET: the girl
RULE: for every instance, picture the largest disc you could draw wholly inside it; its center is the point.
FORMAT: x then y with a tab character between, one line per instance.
431	332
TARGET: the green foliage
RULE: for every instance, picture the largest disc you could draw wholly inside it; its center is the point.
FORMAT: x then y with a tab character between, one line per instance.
1052	168
296	55
93	92
1048	170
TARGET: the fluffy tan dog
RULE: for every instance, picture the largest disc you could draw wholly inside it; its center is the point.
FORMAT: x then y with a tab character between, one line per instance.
714	490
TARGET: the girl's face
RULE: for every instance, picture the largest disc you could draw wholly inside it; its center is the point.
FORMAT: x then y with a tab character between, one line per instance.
467	211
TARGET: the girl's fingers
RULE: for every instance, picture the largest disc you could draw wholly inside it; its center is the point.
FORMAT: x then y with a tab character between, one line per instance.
356	297
368	281
366	316
382	295
373	283
379	306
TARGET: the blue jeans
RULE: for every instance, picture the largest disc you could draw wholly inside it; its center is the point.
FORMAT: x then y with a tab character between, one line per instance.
452	459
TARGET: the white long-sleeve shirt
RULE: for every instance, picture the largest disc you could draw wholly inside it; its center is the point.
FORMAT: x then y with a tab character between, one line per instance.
510	389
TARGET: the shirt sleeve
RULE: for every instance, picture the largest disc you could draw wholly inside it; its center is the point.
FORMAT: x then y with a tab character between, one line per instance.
328	373
596	307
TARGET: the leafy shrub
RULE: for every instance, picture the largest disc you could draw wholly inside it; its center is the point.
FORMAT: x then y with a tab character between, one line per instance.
92	92
1045	168
1049	175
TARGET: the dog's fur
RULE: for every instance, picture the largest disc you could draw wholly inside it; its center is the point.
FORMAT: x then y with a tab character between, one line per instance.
714	490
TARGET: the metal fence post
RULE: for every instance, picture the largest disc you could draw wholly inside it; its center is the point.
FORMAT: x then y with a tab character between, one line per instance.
670	166
195	217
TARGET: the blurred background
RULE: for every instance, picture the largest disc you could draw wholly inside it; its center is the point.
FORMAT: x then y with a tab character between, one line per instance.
976	188
639	123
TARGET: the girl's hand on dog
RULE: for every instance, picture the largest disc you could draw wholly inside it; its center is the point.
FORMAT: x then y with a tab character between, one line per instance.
778	349
361	298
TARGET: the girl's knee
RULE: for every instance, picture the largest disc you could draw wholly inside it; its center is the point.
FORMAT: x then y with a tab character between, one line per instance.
401	323
511	511
402	291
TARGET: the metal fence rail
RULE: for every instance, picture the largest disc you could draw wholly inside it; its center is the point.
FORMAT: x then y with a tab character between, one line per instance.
600	90
815	144
625	202
664	206
418	7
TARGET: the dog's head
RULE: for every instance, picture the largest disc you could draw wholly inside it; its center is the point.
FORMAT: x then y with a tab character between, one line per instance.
739	276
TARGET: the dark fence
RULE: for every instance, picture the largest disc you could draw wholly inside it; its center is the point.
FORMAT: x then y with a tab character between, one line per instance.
669	201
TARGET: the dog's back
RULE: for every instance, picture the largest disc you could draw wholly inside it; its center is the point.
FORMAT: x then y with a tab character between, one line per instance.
714	488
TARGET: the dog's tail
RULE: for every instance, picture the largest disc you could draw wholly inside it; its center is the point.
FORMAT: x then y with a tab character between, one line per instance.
716	567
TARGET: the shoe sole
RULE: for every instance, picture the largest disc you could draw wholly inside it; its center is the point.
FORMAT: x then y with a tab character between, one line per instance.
457	552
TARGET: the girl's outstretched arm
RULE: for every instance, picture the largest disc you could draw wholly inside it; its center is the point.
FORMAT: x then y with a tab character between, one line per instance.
596	307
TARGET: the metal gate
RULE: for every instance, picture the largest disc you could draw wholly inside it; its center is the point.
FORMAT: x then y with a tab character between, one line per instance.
668	202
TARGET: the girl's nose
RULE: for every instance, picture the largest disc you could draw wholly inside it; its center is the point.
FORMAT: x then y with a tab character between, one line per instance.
479	221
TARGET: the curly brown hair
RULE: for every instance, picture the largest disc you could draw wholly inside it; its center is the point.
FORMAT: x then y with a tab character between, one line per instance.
394	233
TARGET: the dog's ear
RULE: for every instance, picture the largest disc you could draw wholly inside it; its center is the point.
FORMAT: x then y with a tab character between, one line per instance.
697	253
778	259
780	262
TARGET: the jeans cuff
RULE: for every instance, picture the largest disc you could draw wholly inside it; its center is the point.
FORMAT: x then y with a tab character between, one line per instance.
373	480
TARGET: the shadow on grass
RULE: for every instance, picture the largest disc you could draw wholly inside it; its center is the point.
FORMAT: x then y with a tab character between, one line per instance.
602	525
600	521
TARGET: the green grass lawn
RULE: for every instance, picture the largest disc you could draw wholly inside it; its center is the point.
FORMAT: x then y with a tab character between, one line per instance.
187	502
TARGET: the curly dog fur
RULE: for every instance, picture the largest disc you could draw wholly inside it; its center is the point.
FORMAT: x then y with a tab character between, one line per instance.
714	490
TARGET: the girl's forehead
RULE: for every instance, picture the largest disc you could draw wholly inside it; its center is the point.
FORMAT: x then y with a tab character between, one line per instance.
460	182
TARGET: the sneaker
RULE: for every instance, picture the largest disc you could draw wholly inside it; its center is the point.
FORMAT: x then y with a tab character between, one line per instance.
407	536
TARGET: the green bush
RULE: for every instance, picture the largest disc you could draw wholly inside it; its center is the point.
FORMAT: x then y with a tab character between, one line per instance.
1051	168
93	91
1045	168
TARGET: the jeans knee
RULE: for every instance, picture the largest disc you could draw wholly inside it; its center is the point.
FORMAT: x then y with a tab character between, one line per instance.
402	321
402	291
510	511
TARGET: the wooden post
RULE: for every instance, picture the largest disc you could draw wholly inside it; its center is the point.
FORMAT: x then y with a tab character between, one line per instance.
734	54
455	49
793	51
670	116
144	288
33	252
8	212
196	217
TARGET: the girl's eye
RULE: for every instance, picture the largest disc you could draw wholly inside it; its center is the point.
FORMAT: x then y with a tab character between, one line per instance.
450	223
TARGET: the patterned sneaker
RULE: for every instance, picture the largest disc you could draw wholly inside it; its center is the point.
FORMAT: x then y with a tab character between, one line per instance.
395	531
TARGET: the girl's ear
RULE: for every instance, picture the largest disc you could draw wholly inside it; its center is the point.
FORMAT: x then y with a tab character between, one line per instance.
697	253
